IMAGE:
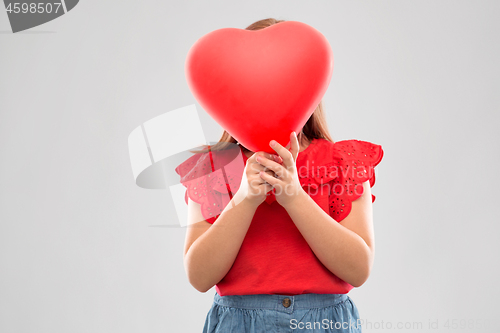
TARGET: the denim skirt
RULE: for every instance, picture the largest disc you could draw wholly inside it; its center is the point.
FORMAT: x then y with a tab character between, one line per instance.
266	313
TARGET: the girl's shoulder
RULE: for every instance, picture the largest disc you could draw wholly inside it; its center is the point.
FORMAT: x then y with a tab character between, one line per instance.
208	163
211	178
323	152
344	165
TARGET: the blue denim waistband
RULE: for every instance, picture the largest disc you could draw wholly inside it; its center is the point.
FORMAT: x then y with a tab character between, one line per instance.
278	302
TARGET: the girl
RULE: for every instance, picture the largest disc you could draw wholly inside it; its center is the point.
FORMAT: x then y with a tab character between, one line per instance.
286	264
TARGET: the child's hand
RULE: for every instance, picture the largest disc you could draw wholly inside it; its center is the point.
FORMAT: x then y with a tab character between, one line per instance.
252	186
287	184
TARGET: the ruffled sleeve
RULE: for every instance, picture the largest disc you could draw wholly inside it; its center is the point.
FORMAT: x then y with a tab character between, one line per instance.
211	179
354	163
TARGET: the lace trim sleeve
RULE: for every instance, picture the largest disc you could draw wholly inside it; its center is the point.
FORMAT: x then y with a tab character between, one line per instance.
210	181
354	163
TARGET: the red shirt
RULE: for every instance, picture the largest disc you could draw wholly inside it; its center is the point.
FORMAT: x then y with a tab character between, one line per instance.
274	257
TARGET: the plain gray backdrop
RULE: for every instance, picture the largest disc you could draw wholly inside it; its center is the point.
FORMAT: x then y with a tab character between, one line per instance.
84	249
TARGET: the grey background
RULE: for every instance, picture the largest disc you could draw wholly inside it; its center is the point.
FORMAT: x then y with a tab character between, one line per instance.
78	252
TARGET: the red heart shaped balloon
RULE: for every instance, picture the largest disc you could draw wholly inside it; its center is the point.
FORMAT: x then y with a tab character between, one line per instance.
263	84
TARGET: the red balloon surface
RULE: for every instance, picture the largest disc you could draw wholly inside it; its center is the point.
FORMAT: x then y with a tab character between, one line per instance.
260	85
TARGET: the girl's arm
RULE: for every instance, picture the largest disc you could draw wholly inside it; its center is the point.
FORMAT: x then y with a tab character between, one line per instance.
210	250
346	248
